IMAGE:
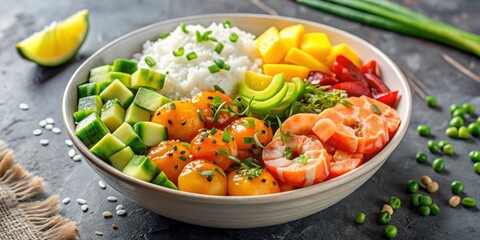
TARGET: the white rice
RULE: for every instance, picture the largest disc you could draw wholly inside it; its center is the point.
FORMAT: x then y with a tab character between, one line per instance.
186	78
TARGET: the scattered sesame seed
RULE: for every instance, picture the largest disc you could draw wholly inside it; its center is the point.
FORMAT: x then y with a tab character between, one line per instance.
37	132
111	199
50	120
42	123
81	201
119	207
71	153
98	233
49	126
107	214
66	200
23	106
101	184
77	158
56	130
44	142
121	212
68	142
84	207
114	226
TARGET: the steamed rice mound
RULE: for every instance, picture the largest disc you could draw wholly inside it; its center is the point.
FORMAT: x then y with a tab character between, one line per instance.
186	78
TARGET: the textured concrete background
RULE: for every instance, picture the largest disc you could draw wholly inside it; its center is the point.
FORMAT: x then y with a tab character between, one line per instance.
42	89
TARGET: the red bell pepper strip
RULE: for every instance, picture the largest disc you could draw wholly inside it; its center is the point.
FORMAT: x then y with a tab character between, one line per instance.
389	98
354	89
345	71
372	68
318	78
376	83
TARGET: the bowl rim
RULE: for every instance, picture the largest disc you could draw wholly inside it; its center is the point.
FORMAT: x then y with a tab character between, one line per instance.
380	158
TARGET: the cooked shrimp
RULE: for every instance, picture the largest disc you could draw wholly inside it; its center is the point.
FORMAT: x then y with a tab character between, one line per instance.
343	162
299	161
300	124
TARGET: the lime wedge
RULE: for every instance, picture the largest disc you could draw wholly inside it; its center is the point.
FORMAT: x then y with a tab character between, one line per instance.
257	81
56	43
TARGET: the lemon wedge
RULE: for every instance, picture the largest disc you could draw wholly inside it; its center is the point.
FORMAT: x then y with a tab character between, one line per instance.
257	81
56	43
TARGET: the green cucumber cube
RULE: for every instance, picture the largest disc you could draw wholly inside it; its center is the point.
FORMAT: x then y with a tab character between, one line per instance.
119	91
149	99
120	76
91	129
125	66
141	167
88	89
162	180
121	158
127	135
136	114
147	78
151	133
112	114
86	106
99	74
107	146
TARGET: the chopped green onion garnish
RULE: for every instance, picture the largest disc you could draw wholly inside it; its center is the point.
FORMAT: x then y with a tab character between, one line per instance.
183	158
213	68
219	48
303	159
376	109
288	153
213	39
226	67
227	24
219	172
248	140
226	137
251	162
250	123
163	36
345	102
217	113
233	37
218	88
199	36
179	52
184	28
191	56
200	114
257	142
213	131
173	106
186	144
150	61
206	35
216	100
206	173
220	63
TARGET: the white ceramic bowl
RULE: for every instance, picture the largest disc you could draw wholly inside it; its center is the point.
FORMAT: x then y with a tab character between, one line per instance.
236	212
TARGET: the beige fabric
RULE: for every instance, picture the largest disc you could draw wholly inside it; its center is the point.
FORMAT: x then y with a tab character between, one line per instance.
23	220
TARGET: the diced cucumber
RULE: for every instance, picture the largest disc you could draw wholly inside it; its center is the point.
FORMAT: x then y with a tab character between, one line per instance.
127	135
107	146
162	180
88	89
124	65
141	167
151	133
99	74
149	99
147	78
136	114
91	129
113	114
120	76
121	158
119	91
86	106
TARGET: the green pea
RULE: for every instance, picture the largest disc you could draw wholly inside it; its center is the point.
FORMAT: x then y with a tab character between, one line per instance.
442	144
395	203
433	146
385	217
463	133
415	200
434	209
456	122
474	156
476	167
458	113
425	200
438	165
431	101
421	157
412	186
424	210
469	202
468	108
360	218
454	107
451	132
448	149
423	130
474	129
457	187
390	231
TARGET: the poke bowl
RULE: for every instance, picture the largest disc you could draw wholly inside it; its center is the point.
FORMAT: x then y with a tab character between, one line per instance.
235	211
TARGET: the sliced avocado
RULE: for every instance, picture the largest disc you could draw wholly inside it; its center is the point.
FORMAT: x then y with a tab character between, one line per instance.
290	96
141	167
300	86
162	180
270	103
107	146
120	159
127	135
91	129
113	114
270	91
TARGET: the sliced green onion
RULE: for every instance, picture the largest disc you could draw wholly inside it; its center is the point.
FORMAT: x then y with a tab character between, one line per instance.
376	109
345	102
206	35
249	123
303	159
184	28
227	24
191	56
200	114
173	106
218	88
183	158
219	62
219	48
248	140
217	113
226	137
178	52
163	36
213	131
213	39
199	36
213	68
226	67
186	144
150	61
216	100
233	37
288	153
206	173
219	172
257	142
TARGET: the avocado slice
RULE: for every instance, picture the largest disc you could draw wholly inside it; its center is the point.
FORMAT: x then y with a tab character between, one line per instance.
290	96
270	103
269	92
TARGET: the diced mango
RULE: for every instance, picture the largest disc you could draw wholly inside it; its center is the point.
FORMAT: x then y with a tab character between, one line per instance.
257	81
302	58
290	71
345	50
270	46
317	45
292	35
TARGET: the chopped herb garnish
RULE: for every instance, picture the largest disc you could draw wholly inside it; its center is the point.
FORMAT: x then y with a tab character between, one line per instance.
206	35
220	63
199	36
233	37
150	61
178	52
183	158
163	36
186	144
218	88
250	123
219	172
173	106
248	140
227	24
288	153
345	102
184	28
182	151
315	99
257	142
226	67
200	114
216	101
284	136
219	48
204	135
303	159
213	39
213	68
226	137
213	131
191	56
376	109
217	112
206	173
251	173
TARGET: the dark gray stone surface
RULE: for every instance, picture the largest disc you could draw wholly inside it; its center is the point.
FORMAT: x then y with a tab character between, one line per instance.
42	89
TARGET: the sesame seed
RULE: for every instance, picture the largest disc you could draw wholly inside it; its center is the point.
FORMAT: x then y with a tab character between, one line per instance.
71	153
81	201
66	200
121	212
101	184
77	158
114	226
23	106
49	127
37	132
98	233
84	207
56	130
107	214
50	120
119	207
42	123
44	142
111	199
68	142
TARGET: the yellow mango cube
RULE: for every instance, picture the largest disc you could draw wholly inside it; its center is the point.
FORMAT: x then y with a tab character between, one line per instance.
346	51
290	71
270	46
302	58
316	44
292	35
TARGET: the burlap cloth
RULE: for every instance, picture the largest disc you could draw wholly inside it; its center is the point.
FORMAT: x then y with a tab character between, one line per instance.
24	220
